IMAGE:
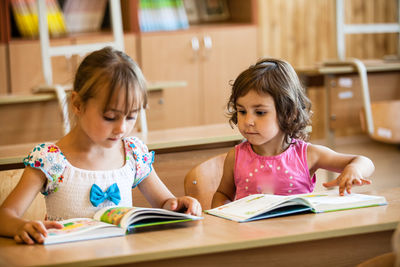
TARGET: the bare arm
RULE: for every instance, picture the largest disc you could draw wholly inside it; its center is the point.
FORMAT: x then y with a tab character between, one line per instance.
159	196
15	205
354	169
226	189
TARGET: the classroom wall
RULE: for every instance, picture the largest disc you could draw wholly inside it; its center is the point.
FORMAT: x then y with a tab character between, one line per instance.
304	31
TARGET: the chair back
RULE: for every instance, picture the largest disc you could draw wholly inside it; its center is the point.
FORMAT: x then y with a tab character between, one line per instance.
202	181
8	180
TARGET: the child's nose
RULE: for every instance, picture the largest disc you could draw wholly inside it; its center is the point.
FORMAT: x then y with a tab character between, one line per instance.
249	119
120	127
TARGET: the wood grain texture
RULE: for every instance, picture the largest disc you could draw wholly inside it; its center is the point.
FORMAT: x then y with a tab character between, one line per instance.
323	238
304	32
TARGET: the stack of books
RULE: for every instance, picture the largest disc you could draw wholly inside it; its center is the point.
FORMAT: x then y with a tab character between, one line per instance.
84	15
162	15
26	17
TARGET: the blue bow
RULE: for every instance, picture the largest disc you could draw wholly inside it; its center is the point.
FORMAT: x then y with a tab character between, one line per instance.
97	196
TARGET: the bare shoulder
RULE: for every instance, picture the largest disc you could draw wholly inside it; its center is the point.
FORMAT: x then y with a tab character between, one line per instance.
230	158
312	151
231	154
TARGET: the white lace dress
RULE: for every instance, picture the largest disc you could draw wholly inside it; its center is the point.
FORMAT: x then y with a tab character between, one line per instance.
67	191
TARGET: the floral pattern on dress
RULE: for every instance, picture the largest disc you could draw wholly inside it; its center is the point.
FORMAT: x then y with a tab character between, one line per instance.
49	159
137	151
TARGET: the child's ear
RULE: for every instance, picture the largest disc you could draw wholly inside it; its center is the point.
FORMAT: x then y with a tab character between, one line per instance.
76	101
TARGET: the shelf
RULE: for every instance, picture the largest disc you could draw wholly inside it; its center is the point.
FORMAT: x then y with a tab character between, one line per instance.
41	97
20	99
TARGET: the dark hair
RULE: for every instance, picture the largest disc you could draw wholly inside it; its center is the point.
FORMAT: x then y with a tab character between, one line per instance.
114	70
278	79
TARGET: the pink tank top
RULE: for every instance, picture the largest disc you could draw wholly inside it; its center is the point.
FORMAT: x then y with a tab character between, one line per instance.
283	174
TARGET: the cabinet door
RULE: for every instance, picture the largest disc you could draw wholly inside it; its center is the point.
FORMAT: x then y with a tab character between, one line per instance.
170	57
130	44
26	65
227	51
345	104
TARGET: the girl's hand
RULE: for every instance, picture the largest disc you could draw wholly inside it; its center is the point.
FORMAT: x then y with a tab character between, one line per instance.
189	204
35	231
349	177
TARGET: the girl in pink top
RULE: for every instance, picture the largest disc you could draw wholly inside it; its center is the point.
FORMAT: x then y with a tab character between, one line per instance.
270	108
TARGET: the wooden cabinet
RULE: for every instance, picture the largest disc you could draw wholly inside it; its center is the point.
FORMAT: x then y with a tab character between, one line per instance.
337	99
171	57
207	58
26	64
346	98
233	50
30	122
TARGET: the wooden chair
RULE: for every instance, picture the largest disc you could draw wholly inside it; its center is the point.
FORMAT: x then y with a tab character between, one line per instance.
202	181
384	260
8	180
378	118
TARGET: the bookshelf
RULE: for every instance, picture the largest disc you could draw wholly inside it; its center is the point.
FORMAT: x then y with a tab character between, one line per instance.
240	12
225	47
207	55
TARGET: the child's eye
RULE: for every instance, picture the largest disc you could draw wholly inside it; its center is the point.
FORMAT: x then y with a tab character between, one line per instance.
261	113
131	118
241	112
109	118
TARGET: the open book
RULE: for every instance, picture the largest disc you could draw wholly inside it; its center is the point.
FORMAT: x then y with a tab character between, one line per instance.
262	206
113	221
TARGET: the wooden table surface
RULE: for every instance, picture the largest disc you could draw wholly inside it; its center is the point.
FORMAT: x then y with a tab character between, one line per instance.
372	65
214	241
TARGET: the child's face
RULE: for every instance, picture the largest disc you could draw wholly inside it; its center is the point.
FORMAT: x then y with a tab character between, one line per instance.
107	127
257	118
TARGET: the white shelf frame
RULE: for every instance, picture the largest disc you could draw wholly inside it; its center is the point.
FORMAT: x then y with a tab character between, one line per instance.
342	29
47	52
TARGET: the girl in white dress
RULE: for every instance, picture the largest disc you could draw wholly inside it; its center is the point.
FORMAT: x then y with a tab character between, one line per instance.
95	165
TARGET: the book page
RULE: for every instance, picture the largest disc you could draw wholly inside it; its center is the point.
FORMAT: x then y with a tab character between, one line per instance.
250	206
81	229
332	201
113	215
73	226
129	217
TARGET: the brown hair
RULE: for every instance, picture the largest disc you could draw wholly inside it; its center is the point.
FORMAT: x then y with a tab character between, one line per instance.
114	70
278	79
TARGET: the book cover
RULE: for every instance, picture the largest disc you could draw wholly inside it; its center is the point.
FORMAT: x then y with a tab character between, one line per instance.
262	206
23	18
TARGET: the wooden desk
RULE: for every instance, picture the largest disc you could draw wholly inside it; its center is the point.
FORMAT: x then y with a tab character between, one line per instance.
161	141
342	238
183	147
336	96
